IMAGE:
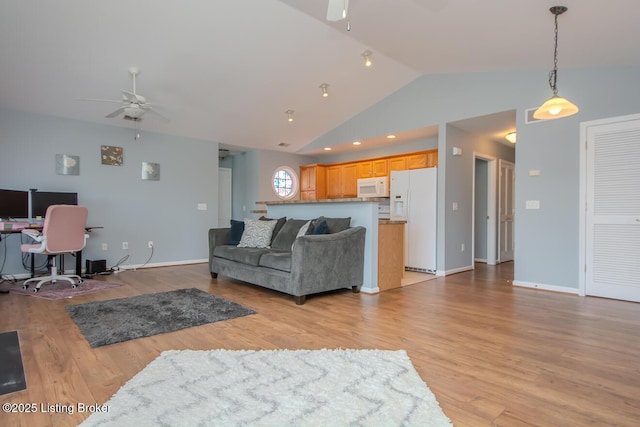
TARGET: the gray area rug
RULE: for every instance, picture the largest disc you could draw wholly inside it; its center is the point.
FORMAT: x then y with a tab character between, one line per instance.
113	321
274	388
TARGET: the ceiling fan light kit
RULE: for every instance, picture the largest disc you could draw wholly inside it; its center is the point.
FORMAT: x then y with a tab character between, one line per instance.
556	106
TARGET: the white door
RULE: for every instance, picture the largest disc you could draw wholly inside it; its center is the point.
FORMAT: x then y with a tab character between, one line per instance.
612	236
224	197
506	188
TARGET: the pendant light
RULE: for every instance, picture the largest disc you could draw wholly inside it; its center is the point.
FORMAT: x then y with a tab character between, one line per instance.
289	114
556	106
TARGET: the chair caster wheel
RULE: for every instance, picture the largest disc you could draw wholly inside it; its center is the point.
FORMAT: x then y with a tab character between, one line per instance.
25	287
35	290
74	286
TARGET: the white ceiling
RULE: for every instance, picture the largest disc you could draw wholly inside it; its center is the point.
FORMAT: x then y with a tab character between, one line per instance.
227	71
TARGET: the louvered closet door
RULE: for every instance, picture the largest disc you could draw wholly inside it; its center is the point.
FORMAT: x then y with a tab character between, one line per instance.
613	211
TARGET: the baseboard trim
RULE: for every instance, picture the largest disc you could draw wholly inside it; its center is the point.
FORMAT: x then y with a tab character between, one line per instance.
545	287
454	270
163	264
370	290
21	276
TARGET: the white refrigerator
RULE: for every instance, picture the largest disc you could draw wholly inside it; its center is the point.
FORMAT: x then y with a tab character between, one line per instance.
413	198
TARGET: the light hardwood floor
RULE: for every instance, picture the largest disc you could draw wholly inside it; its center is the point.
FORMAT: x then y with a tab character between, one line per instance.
492	354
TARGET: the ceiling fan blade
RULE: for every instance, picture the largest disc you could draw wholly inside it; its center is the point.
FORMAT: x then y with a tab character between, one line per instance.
162	116
133	97
116	112
99	100
337	10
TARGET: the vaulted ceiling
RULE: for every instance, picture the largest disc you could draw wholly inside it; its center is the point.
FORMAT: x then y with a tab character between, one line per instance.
226	71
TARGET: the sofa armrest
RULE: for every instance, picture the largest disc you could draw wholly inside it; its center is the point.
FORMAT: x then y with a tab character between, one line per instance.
329	261
217	237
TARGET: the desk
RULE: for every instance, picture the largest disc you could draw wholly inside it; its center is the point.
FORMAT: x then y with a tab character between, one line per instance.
39	228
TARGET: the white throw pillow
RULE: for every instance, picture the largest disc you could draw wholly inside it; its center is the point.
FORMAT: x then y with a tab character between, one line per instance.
301	232
257	233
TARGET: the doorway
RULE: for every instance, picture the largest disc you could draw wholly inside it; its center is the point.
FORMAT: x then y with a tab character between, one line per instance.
484	222
224	197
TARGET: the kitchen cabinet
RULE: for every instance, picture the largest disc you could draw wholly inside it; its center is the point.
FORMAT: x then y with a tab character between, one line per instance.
342	180
398	163
390	254
313	182
379	167
432	158
365	169
417	161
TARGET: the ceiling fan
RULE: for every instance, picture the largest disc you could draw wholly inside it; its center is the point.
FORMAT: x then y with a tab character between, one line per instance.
133	105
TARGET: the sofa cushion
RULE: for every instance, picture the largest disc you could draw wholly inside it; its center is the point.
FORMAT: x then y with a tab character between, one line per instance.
321	228
235	233
279	225
288	234
335	225
277	260
248	256
257	234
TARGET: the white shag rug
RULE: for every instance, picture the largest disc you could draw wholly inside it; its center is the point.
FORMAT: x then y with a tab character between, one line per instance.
274	388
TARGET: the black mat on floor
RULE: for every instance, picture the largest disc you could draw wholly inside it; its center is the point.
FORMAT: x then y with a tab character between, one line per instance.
11	370
123	319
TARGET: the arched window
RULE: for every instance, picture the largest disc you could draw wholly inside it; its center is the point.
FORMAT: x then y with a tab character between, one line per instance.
285	182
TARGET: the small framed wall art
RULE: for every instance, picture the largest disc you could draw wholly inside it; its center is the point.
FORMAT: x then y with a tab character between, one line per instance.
67	164
111	155
151	171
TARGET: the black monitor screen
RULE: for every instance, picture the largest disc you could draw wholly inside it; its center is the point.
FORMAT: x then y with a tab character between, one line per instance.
41	200
14	204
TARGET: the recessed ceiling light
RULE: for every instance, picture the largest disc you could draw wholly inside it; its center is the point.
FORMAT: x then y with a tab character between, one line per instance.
327	148
356	142
391	136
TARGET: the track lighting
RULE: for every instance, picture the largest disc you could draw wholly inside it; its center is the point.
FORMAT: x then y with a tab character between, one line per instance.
289	114
324	87
556	106
511	137
367	58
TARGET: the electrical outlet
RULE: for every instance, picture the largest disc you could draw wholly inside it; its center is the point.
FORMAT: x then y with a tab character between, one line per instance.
462	248
150	244
105	247
125	245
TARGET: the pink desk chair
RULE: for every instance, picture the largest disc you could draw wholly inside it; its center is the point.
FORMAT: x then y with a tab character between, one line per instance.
63	232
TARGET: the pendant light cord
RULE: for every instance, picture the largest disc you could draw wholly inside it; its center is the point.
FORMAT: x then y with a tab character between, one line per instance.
553	75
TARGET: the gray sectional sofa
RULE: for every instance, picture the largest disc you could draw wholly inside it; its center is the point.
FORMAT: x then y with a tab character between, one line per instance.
296	263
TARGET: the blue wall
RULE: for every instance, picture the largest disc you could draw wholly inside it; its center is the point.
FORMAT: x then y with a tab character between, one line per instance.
130	209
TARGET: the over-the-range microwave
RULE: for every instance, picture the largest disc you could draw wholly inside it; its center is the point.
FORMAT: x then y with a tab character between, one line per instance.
373	187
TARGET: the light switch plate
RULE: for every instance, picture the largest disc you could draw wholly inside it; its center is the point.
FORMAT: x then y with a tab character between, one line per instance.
202	206
533	204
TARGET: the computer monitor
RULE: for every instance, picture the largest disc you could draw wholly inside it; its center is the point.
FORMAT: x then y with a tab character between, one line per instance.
41	200
14	204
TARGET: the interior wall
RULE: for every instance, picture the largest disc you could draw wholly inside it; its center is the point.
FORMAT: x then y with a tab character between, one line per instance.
130	209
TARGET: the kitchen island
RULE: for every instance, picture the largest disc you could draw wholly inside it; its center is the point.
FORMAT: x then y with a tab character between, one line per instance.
363	212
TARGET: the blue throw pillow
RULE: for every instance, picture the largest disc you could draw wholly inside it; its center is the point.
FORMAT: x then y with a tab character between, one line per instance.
321	228
235	234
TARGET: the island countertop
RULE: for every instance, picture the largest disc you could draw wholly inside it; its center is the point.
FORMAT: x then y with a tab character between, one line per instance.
342	200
